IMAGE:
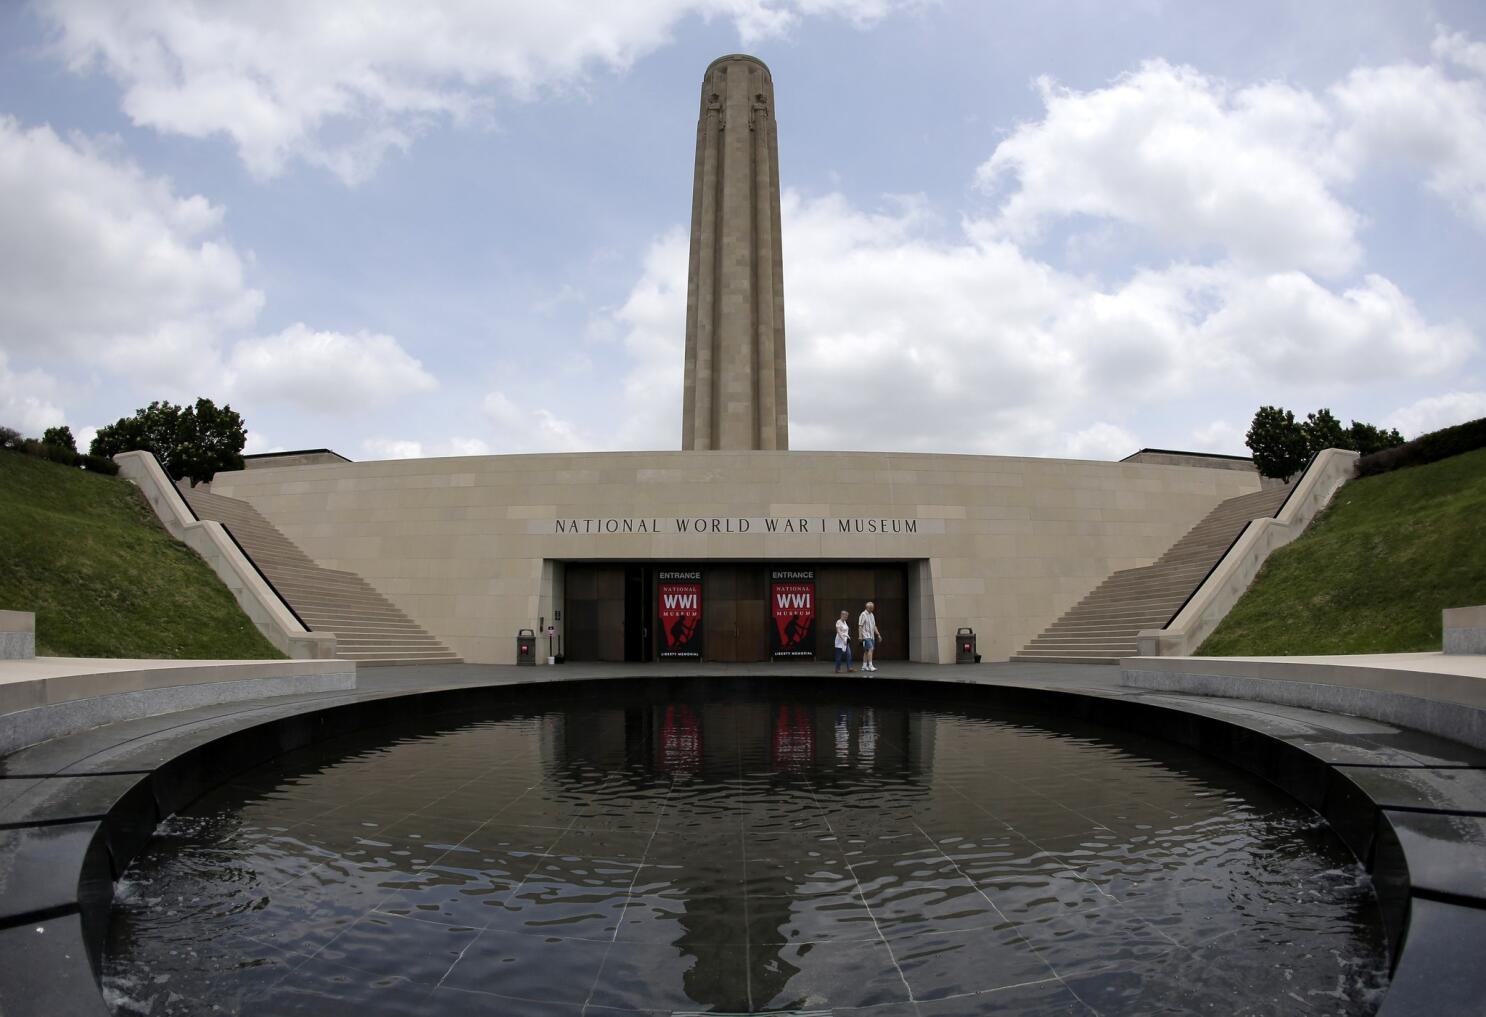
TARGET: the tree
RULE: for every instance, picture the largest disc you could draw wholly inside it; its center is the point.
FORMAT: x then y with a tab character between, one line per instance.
1281	445
1322	431
195	442
1367	439
59	437
213	440
1278	442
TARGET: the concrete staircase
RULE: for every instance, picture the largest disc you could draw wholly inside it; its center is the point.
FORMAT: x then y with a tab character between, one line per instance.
1101	628
368	628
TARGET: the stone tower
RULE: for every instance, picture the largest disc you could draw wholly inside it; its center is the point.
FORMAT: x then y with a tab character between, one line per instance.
735	395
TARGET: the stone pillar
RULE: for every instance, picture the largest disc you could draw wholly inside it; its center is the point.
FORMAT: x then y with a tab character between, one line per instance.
736	390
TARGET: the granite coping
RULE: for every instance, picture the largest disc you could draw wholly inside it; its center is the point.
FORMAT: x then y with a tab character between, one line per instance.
44	680
53	697
74	811
1442	694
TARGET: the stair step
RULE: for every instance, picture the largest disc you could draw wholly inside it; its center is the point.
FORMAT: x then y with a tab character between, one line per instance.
1038	658
1103	626
369	628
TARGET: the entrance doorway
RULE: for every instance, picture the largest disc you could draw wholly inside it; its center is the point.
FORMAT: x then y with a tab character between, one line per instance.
611	615
639	612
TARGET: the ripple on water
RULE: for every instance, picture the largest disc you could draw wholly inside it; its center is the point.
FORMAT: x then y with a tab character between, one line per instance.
750	852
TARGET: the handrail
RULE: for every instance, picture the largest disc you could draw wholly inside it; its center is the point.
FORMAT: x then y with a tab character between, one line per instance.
261	574
258	596
1232	573
187	502
1294	486
1210	572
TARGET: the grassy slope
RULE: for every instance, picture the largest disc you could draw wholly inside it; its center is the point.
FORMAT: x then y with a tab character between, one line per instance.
105	580
1373	572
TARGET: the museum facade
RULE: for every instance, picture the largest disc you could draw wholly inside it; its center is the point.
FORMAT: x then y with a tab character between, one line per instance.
476	548
734	548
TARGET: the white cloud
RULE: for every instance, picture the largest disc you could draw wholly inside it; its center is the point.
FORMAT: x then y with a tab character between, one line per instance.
1101	441
325	372
1460	49
288	80
392	448
1435	412
27	400
107	269
100	261
1420	115
1286	327
899	340
1198	164
1219	436
524	429
653	323
258	443
403	448
458	446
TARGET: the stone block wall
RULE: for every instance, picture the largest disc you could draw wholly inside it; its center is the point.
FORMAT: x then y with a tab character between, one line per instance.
467	546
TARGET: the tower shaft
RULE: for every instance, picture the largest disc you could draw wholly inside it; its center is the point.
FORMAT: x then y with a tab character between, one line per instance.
736	392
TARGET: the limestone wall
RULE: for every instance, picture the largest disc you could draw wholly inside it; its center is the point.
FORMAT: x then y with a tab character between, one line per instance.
466	545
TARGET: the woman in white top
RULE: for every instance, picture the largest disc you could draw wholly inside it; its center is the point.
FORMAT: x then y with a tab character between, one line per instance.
843	643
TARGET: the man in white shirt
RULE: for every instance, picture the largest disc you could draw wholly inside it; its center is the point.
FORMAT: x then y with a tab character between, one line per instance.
843	643
869	634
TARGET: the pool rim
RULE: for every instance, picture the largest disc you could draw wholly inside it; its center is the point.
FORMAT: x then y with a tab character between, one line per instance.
91	860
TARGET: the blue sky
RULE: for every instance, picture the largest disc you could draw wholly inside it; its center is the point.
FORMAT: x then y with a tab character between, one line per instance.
1055	228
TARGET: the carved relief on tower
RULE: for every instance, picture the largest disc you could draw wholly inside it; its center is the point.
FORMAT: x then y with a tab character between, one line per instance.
759	110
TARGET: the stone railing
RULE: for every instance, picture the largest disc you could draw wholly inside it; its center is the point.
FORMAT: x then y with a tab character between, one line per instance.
257	597
1465	629
17	635
1212	601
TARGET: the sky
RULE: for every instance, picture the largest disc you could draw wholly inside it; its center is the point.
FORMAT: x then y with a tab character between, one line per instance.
1062	228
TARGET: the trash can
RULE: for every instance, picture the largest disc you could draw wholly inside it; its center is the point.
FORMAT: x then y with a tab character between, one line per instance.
526	647
965	647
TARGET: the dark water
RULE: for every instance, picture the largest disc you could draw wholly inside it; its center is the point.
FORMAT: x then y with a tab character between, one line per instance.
745	853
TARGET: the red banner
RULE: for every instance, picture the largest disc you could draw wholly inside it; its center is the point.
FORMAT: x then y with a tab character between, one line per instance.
792	607
679	610
794	738
680	739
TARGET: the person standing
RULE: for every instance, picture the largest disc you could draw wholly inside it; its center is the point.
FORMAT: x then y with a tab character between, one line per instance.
870	635
843	643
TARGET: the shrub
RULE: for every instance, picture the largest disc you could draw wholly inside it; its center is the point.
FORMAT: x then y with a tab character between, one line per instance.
10	438
57	454
1427	448
98	464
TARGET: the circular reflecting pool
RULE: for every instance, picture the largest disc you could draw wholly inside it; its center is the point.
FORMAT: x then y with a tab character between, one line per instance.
749	850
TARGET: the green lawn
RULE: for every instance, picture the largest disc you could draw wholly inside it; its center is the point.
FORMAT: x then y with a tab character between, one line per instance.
86	554
1372	574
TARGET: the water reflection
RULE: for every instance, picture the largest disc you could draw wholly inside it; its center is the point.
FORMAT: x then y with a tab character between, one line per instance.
744	853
